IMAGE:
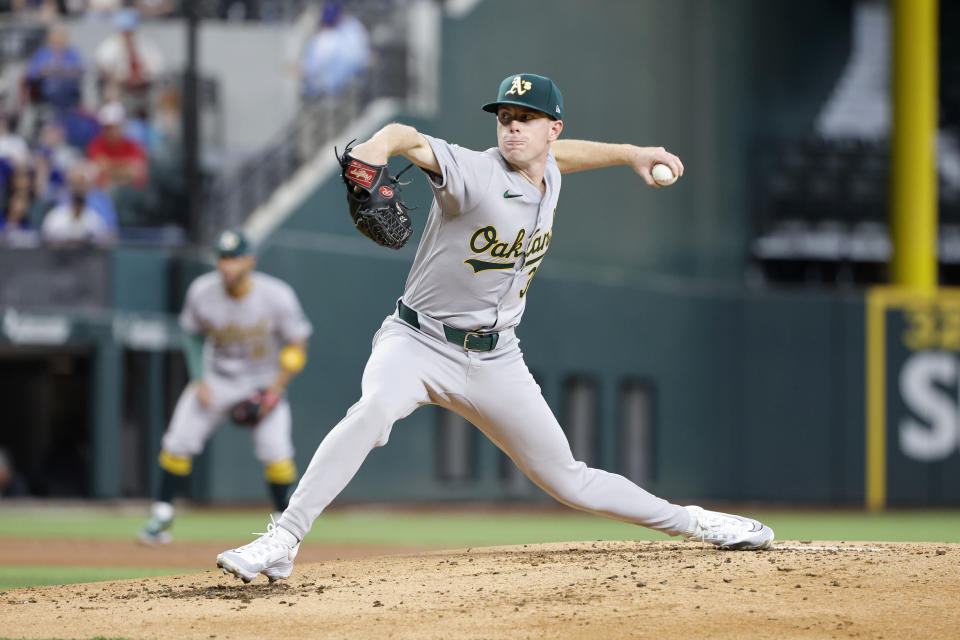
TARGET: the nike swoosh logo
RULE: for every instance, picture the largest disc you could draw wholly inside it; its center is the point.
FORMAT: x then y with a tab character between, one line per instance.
507	194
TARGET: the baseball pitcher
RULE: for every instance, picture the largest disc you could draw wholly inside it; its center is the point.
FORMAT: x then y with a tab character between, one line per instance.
451	339
245	340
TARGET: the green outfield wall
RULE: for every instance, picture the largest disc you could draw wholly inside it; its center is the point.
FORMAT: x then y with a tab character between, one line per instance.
748	395
757	396
742	384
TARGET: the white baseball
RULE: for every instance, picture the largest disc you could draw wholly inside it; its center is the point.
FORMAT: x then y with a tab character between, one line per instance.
663	175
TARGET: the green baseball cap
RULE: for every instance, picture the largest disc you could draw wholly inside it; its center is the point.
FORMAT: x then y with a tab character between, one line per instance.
232	243
529	90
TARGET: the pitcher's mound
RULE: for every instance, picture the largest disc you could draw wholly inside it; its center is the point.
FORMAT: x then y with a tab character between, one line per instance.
799	589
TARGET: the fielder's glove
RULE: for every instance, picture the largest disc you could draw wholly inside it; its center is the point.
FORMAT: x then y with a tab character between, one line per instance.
375	202
249	411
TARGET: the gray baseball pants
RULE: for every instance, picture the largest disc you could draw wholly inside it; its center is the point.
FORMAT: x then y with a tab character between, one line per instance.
495	391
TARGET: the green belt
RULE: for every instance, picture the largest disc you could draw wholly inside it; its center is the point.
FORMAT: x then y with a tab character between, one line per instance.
469	340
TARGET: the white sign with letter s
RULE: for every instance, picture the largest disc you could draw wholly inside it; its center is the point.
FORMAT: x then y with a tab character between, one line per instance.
928	386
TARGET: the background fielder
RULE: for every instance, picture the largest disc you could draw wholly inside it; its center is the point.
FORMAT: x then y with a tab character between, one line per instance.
245	340
452	339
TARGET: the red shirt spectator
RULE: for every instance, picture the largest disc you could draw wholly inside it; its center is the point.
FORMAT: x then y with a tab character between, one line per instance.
119	160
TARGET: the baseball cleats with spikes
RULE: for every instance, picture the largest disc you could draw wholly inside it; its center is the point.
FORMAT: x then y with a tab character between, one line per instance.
271	554
156	531
727	531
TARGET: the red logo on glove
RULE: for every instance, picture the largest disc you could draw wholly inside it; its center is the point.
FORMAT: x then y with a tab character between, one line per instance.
361	173
386	192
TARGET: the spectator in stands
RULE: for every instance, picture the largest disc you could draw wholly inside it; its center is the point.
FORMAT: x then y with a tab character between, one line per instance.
34	181
103	8
156	8
16	230
336	55
165	132
13	148
80	127
53	152
120	161
30	183
20	178
45	10
75	222
80	181
97	9
55	71
131	62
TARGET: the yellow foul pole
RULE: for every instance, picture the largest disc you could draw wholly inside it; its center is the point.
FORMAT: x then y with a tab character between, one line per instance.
913	211
914	145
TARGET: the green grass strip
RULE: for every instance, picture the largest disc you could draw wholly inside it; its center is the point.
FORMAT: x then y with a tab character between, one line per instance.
893	526
456	529
14	577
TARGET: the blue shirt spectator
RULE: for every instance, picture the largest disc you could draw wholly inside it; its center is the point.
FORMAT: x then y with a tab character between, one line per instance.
338	53
80	187
80	126
56	70
100	202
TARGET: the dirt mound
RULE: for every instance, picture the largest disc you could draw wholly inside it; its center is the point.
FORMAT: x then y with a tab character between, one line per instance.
562	590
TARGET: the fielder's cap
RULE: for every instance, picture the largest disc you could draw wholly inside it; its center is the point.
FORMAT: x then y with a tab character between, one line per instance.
232	243
529	90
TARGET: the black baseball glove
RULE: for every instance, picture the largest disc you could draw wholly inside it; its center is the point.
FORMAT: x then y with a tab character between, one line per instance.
249	411
375	202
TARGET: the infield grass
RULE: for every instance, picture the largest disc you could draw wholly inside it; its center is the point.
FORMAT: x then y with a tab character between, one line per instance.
16	576
458	528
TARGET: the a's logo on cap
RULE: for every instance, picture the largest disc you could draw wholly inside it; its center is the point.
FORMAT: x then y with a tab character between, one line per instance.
519	87
229	241
557	108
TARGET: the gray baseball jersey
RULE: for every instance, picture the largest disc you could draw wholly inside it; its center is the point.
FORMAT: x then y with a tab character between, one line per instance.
243	341
243	336
487	231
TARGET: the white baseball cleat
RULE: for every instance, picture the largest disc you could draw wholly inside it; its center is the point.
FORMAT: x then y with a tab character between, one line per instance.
154	534
271	554
156	530
727	531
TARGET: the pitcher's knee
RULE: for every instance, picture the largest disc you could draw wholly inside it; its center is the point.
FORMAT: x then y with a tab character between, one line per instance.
374	418
565	483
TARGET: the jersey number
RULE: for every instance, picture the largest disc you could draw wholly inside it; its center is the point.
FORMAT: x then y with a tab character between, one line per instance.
523	291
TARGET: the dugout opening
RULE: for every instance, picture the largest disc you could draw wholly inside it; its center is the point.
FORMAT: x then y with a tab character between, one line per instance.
46	433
